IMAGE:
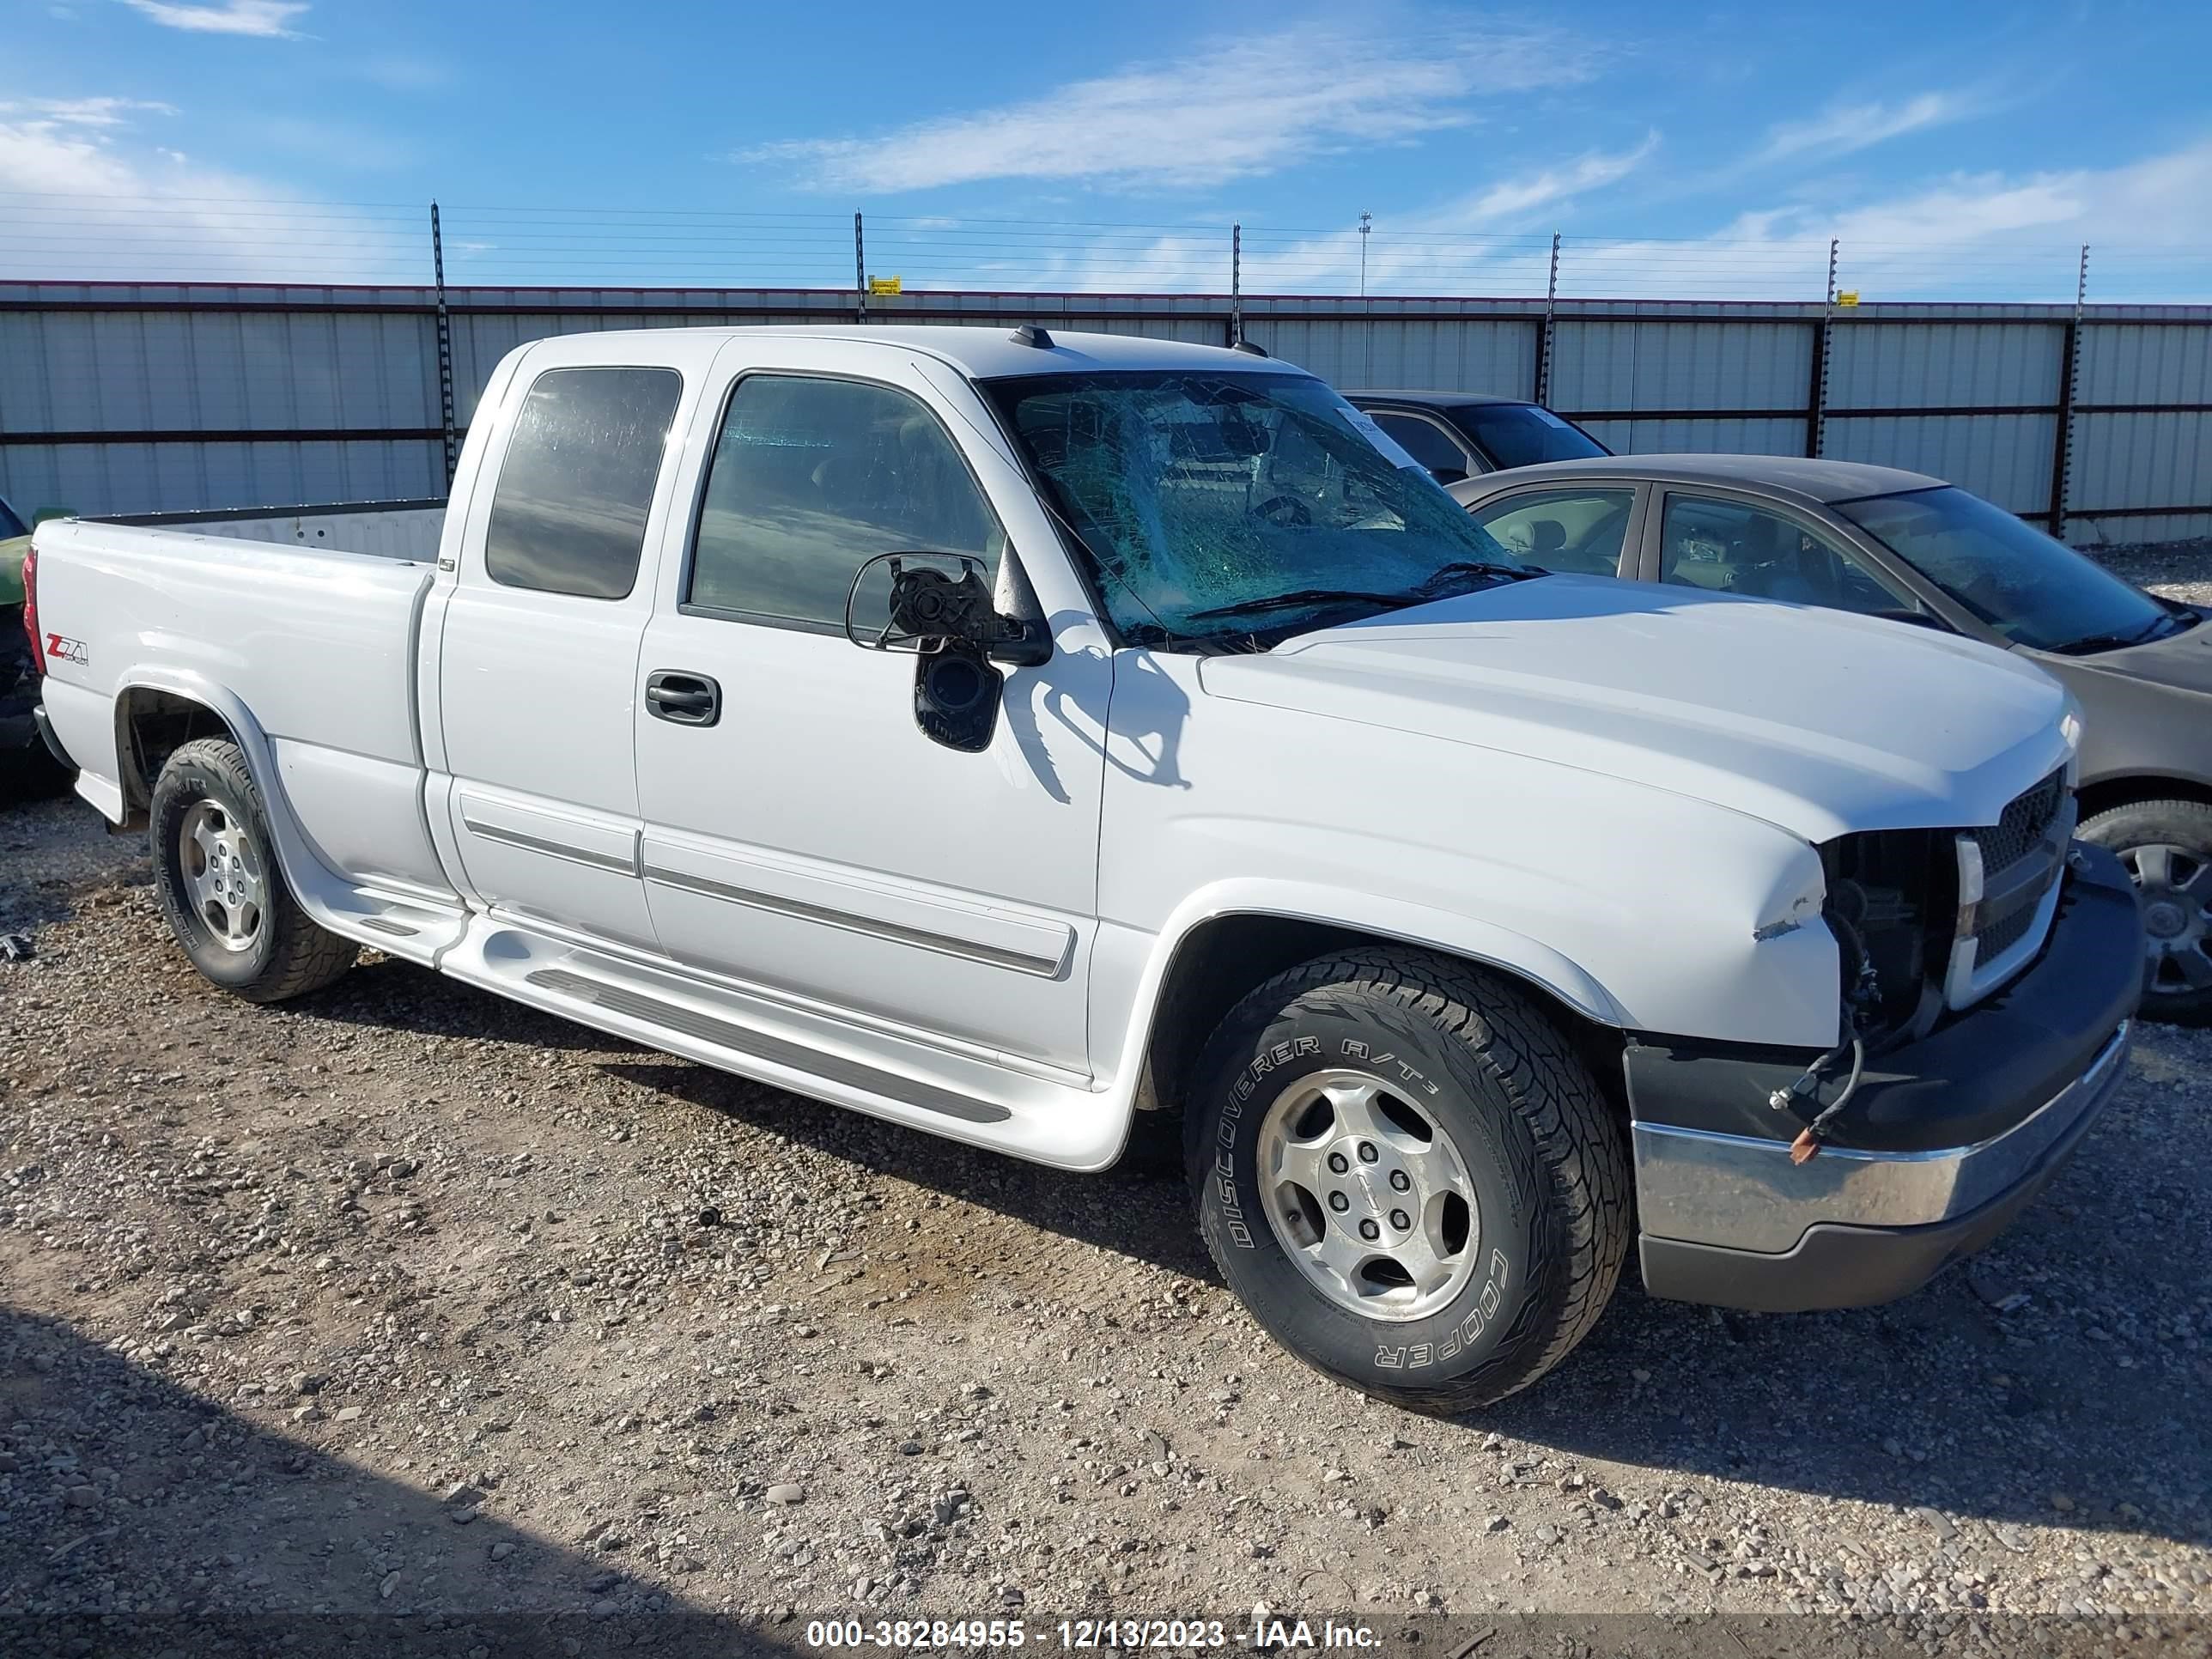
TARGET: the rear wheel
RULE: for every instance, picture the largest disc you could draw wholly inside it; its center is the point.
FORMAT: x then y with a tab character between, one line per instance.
1406	1172
2167	846
216	869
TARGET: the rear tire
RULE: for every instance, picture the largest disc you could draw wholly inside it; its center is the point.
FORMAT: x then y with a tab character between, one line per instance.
1406	1172
2167	846
221	886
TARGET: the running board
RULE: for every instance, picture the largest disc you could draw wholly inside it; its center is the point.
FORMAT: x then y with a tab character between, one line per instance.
1006	1107
708	1028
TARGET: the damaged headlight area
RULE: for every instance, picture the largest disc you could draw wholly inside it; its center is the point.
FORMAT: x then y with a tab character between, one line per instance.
1892	899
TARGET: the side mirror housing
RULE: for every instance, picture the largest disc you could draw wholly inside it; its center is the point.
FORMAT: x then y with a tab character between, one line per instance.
940	610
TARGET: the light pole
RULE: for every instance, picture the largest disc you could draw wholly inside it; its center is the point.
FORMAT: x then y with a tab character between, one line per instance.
1366	224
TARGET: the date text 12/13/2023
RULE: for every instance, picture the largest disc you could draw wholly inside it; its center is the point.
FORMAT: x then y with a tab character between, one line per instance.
1180	1635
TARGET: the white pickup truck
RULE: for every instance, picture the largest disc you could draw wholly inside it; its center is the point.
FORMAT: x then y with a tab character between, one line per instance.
1053	742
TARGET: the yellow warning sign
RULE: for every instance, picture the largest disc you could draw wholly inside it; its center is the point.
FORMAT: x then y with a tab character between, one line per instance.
878	285
1849	296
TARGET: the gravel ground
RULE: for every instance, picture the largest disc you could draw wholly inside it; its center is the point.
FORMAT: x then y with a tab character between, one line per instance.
405	1303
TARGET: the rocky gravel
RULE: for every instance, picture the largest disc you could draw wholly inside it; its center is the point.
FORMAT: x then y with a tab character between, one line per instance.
401	1303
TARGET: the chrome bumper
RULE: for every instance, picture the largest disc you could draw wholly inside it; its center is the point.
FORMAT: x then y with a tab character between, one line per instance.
1737	1193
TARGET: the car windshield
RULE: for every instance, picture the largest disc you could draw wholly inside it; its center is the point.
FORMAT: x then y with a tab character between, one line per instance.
2035	591
1522	434
10	525
1216	505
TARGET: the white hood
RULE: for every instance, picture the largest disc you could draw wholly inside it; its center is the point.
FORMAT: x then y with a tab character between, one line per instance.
1818	721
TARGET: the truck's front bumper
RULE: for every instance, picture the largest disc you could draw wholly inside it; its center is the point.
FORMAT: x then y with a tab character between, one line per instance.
1948	1139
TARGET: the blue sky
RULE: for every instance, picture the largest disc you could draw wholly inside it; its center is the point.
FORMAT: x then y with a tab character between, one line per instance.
1954	150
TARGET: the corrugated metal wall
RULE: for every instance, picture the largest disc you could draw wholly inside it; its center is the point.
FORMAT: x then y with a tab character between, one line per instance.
147	398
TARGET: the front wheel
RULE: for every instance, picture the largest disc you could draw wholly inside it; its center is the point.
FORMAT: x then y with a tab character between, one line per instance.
216	869
1405	1172
2167	846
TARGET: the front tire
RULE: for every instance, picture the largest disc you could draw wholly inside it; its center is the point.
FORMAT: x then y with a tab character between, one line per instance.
2167	846
1406	1172
221	886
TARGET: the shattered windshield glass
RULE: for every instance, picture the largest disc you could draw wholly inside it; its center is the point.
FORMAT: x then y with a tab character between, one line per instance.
1213	505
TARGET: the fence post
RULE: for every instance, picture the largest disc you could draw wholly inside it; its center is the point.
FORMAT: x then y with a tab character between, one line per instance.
445	348
860	273
2070	372
1236	284
1816	399
1544	334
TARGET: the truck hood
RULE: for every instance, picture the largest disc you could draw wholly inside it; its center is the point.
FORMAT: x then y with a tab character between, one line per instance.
1818	721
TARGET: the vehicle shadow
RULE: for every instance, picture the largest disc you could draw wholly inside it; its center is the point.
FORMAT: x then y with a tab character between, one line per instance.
1141	1215
389	995
92	864
152	1520
1937	1400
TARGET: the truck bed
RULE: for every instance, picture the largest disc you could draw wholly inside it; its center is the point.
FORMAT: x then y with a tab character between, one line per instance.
387	530
299	624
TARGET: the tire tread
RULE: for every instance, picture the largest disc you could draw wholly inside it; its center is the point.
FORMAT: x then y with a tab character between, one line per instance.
1578	1143
304	956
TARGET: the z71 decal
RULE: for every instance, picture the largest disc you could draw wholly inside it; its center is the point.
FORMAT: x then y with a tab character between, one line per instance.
68	650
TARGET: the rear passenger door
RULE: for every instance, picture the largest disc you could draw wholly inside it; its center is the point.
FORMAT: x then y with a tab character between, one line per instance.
1589	530
538	647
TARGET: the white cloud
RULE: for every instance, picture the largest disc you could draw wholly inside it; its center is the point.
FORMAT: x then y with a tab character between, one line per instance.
269	19
1968	236
84	206
1845	128
1232	109
88	114
1510	198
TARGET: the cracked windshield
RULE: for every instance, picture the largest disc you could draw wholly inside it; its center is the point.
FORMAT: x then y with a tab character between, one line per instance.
1213	507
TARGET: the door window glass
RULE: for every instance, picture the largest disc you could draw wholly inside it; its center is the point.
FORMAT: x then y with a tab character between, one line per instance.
1732	547
1574	530
569	514
1427	443
813	478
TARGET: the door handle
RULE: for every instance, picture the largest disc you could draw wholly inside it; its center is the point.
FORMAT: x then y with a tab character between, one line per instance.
685	699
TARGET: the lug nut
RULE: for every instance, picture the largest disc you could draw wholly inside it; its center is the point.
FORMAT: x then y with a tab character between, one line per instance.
1369	1232
1338	1202
1400	1220
1367	1152
1339	1163
1401	1182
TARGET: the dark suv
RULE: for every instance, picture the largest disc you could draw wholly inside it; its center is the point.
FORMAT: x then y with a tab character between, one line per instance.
1457	435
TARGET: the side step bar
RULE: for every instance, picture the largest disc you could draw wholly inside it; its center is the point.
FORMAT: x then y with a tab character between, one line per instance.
1008	1103
720	1032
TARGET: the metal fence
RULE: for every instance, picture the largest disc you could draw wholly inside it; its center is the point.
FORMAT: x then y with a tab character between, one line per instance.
2097	419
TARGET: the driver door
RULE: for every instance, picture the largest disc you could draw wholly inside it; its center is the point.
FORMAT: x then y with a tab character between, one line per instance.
801	833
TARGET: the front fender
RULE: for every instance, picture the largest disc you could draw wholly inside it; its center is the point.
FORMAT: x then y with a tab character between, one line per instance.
1130	971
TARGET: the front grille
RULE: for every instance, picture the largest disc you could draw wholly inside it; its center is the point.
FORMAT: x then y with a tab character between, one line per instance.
2023	824
2021	859
1993	941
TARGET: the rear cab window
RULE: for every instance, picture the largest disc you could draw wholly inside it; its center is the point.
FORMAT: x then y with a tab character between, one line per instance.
575	486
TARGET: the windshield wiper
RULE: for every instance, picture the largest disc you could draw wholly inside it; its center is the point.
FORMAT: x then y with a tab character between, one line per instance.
2090	643
1510	573
1308	596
